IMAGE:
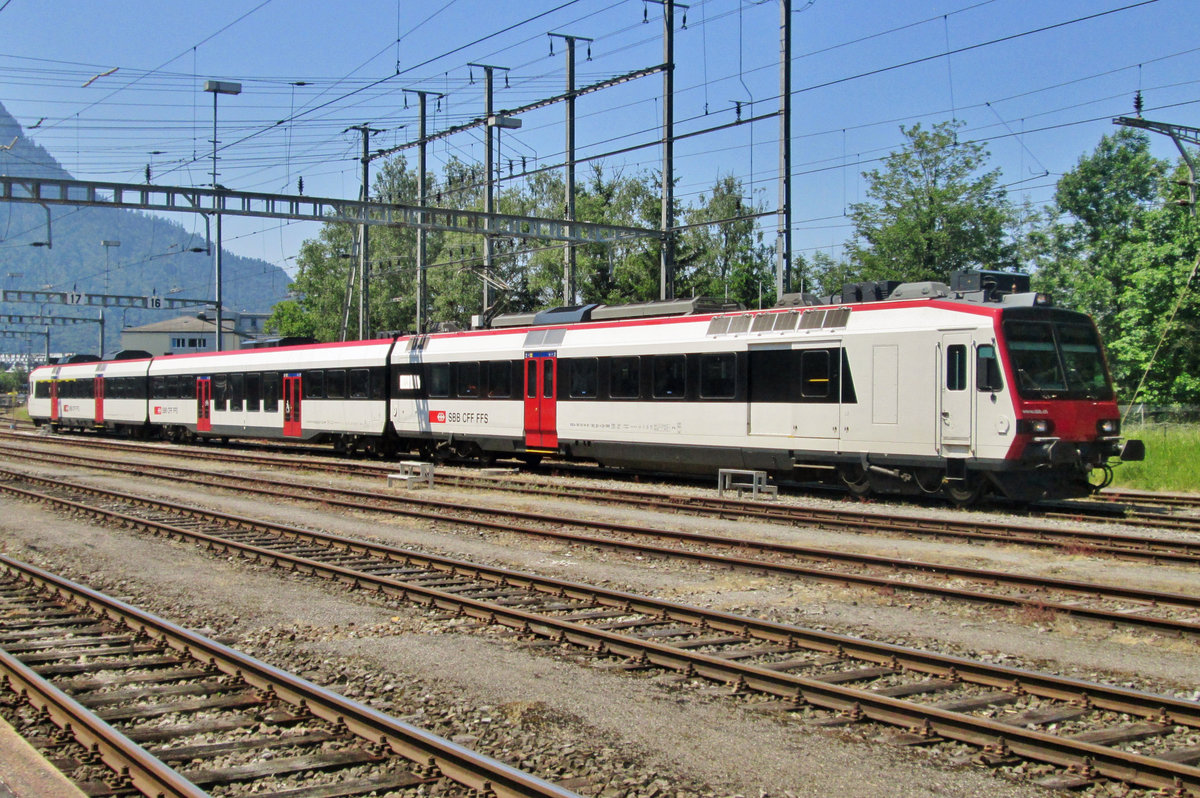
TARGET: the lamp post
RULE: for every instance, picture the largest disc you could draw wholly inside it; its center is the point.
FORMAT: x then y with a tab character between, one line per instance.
108	244
218	87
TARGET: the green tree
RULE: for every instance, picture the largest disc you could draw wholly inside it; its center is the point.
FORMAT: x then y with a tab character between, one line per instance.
823	274
11	381
1115	245
1098	205
726	260
315	306
1159	321
932	210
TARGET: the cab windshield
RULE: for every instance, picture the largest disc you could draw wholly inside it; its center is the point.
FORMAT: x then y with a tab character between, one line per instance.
1057	360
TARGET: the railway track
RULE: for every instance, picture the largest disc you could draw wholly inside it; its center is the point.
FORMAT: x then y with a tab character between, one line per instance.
127	700
1189	501
1161	611
1134	507
1071	540
1085	731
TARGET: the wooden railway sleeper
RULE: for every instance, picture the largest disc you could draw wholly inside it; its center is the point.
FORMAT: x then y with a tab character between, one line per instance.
1038	750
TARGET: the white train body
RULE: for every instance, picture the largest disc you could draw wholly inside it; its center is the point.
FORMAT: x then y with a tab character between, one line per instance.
925	392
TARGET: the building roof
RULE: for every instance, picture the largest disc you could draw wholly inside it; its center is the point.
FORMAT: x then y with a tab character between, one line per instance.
182	324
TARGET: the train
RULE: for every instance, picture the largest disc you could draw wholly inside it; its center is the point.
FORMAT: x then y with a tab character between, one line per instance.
957	390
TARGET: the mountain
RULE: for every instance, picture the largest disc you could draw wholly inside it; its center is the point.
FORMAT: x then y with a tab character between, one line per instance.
153	257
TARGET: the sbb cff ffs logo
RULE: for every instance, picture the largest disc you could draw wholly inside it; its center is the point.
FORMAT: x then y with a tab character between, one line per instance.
437	416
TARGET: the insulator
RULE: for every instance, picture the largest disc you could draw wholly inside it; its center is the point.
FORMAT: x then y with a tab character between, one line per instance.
405	102
470	76
551	46
589	51
506	80
1137	102
645	13
147	173
684	26
300	185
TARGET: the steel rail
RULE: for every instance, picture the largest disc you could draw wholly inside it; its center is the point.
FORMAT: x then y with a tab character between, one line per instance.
460	764
144	771
1061	688
1152	548
396	506
1149	497
858	703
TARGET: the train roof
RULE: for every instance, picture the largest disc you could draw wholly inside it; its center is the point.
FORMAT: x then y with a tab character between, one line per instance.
979	293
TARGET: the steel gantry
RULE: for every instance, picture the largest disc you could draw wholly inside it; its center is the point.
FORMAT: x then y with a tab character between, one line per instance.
182	199
363	212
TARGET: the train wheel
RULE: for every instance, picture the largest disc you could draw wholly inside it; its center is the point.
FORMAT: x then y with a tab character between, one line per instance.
855	479
531	460
964	493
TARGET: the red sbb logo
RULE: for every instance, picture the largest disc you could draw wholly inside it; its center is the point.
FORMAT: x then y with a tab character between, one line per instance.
437	416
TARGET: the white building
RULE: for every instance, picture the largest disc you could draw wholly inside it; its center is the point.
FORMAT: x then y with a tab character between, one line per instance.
194	333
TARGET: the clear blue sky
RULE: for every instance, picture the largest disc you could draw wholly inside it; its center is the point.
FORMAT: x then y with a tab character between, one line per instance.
1037	81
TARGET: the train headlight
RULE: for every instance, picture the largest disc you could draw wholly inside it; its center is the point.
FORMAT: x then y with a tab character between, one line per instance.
1035	426
1108	426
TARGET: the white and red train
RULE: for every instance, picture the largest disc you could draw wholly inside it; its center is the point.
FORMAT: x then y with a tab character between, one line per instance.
918	388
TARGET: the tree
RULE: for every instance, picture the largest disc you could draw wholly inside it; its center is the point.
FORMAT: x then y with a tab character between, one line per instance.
1116	246
11	381
726	260
931	211
315	306
1097	207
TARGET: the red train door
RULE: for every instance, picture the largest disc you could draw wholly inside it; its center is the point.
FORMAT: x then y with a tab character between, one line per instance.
541	411
54	400
291	406
203	404
99	381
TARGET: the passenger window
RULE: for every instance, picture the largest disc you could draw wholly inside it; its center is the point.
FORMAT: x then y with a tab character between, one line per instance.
625	378
237	390
220	391
360	383
335	384
987	369
270	393
314	385
814	374
500	379
717	377
548	379
468	379
956	367
439	380
253	392
583	378
379	383
670	377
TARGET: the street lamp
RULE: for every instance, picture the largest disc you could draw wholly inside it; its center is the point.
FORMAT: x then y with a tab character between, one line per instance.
217	87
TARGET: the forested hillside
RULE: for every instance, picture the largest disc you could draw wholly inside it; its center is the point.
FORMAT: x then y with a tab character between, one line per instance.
153	256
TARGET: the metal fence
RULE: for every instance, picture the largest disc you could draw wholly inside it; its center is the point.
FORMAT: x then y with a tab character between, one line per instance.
1143	415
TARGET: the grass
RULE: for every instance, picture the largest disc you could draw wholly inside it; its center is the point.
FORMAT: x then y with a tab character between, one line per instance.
1172	459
